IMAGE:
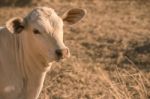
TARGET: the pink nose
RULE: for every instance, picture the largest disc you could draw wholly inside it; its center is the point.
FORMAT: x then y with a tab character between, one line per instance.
62	53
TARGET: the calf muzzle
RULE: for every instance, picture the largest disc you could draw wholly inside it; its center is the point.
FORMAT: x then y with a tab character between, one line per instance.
62	53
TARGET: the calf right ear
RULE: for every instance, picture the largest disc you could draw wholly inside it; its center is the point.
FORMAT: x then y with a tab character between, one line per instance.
73	15
15	25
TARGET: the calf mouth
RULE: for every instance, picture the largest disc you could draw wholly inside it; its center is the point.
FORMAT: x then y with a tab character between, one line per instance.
58	58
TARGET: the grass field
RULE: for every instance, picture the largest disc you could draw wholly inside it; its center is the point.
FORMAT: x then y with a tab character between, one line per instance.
110	49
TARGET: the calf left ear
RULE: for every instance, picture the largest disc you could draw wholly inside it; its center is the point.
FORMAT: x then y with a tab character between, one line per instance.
73	15
15	25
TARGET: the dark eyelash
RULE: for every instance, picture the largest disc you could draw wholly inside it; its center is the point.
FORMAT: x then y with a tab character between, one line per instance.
35	31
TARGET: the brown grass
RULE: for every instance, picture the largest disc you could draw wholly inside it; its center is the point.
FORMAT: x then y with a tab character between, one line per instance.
110	50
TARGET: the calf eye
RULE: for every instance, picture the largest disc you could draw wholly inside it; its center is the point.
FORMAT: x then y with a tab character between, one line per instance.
35	31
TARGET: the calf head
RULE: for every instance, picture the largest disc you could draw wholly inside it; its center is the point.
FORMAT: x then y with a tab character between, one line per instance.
42	31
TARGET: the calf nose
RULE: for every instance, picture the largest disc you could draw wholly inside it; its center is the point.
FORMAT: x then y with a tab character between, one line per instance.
62	53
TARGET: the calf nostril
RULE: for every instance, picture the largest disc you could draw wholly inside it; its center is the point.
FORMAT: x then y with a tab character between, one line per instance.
62	53
59	53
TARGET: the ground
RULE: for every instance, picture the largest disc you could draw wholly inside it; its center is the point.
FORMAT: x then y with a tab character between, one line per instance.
110	49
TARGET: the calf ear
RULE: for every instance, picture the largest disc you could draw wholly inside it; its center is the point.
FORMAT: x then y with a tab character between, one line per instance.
73	15
15	25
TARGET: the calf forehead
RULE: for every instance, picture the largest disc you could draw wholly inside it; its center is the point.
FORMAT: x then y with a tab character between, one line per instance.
45	18
40	12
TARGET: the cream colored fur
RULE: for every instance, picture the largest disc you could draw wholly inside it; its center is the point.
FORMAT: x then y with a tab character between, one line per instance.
25	58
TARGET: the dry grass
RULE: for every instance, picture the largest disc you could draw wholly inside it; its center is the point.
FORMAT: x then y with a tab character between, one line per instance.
128	83
110	50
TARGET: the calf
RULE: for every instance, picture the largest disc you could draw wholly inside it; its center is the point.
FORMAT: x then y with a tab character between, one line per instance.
28	46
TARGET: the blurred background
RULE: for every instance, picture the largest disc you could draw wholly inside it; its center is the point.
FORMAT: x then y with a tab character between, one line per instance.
110	49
